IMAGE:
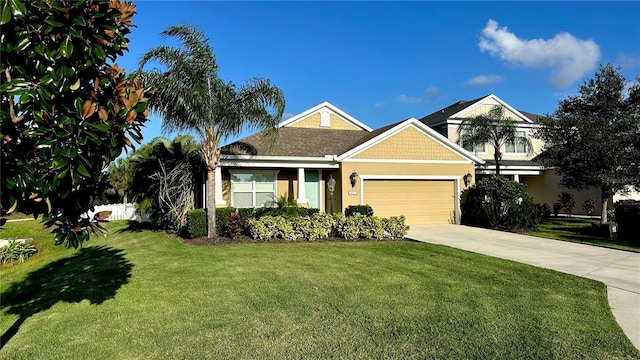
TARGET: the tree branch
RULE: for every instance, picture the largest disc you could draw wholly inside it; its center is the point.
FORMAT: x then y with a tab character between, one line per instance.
14	118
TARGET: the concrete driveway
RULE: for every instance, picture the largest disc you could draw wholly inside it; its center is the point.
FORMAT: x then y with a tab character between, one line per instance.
619	270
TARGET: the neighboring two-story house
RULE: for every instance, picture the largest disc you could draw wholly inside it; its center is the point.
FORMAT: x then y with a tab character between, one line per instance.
517	163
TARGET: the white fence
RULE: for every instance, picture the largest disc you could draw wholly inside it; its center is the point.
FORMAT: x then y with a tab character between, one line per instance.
118	211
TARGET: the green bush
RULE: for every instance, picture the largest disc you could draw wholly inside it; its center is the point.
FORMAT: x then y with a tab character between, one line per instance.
223	216
358	210
628	218
568	201
16	251
497	202
320	226
395	227
196	223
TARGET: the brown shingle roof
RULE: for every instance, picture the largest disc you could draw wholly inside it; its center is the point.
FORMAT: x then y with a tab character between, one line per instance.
446	113
299	142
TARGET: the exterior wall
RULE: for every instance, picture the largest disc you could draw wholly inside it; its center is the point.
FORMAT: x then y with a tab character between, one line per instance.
537	145
545	188
287	184
401	170
337	197
409	144
313	121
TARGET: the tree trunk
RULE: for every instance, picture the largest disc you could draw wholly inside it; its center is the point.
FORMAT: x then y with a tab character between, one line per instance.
211	202
497	156
603	209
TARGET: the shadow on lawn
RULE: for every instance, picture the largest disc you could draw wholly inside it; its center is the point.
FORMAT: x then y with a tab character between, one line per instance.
94	274
137	226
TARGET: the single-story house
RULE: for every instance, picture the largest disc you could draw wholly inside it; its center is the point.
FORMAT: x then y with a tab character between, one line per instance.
406	168
517	161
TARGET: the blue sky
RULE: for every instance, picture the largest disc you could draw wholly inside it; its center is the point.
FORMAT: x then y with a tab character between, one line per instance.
383	62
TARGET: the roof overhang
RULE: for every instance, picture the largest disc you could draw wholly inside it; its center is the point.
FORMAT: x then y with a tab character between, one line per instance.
326	162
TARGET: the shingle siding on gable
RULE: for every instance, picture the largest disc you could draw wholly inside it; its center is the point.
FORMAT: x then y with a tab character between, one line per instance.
313	122
484	110
409	144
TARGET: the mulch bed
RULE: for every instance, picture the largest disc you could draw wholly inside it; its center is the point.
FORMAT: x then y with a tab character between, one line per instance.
223	240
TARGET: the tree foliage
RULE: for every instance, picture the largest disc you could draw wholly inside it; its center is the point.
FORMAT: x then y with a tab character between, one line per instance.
493	128
67	110
497	202
191	96
593	139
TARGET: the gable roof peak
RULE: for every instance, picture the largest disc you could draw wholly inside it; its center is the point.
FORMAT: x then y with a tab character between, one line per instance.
332	108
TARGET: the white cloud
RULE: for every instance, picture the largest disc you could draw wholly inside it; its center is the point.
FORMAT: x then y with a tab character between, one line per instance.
435	95
404	99
379	104
482	80
568	57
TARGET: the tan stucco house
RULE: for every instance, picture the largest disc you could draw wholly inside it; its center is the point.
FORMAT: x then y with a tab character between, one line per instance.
542	183
406	168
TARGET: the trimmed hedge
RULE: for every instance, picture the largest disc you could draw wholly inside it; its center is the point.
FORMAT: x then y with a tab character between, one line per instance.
628	219
320	225
196	223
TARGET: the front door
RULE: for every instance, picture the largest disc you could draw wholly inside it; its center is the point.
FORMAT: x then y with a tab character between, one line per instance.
312	187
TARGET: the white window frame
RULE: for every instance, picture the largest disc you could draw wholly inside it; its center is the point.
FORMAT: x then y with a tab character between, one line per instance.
475	149
515	148
253	186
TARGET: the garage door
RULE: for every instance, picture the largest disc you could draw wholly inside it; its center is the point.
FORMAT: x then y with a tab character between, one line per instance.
420	201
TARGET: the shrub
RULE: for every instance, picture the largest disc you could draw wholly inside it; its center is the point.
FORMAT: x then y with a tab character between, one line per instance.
628	219
556	209
589	206
348	227
372	227
497	202
16	251
196	223
223	216
261	229
568	201
234	227
358	210
544	211
395	227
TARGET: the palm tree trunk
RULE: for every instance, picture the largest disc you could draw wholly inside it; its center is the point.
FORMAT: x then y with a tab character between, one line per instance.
211	202
496	157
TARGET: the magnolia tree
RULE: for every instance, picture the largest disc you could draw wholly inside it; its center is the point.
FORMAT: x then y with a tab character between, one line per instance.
67	109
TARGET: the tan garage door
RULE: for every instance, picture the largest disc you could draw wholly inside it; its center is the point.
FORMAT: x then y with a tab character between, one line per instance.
420	201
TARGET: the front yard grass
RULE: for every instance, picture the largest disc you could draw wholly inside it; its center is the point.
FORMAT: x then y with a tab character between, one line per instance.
145	295
578	230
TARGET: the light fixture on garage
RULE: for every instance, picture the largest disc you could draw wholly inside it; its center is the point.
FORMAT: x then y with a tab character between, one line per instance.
467	179
353	178
331	184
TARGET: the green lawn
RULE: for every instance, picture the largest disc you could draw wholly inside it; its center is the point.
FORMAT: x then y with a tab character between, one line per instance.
145	295
578	230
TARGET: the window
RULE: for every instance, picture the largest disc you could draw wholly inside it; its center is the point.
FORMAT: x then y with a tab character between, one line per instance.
480	148
477	148
519	145
252	189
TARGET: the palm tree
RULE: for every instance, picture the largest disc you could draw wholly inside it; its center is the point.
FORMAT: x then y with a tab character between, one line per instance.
493	128
190	96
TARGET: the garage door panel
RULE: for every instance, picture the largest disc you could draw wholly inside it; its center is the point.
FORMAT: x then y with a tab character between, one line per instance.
420	201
